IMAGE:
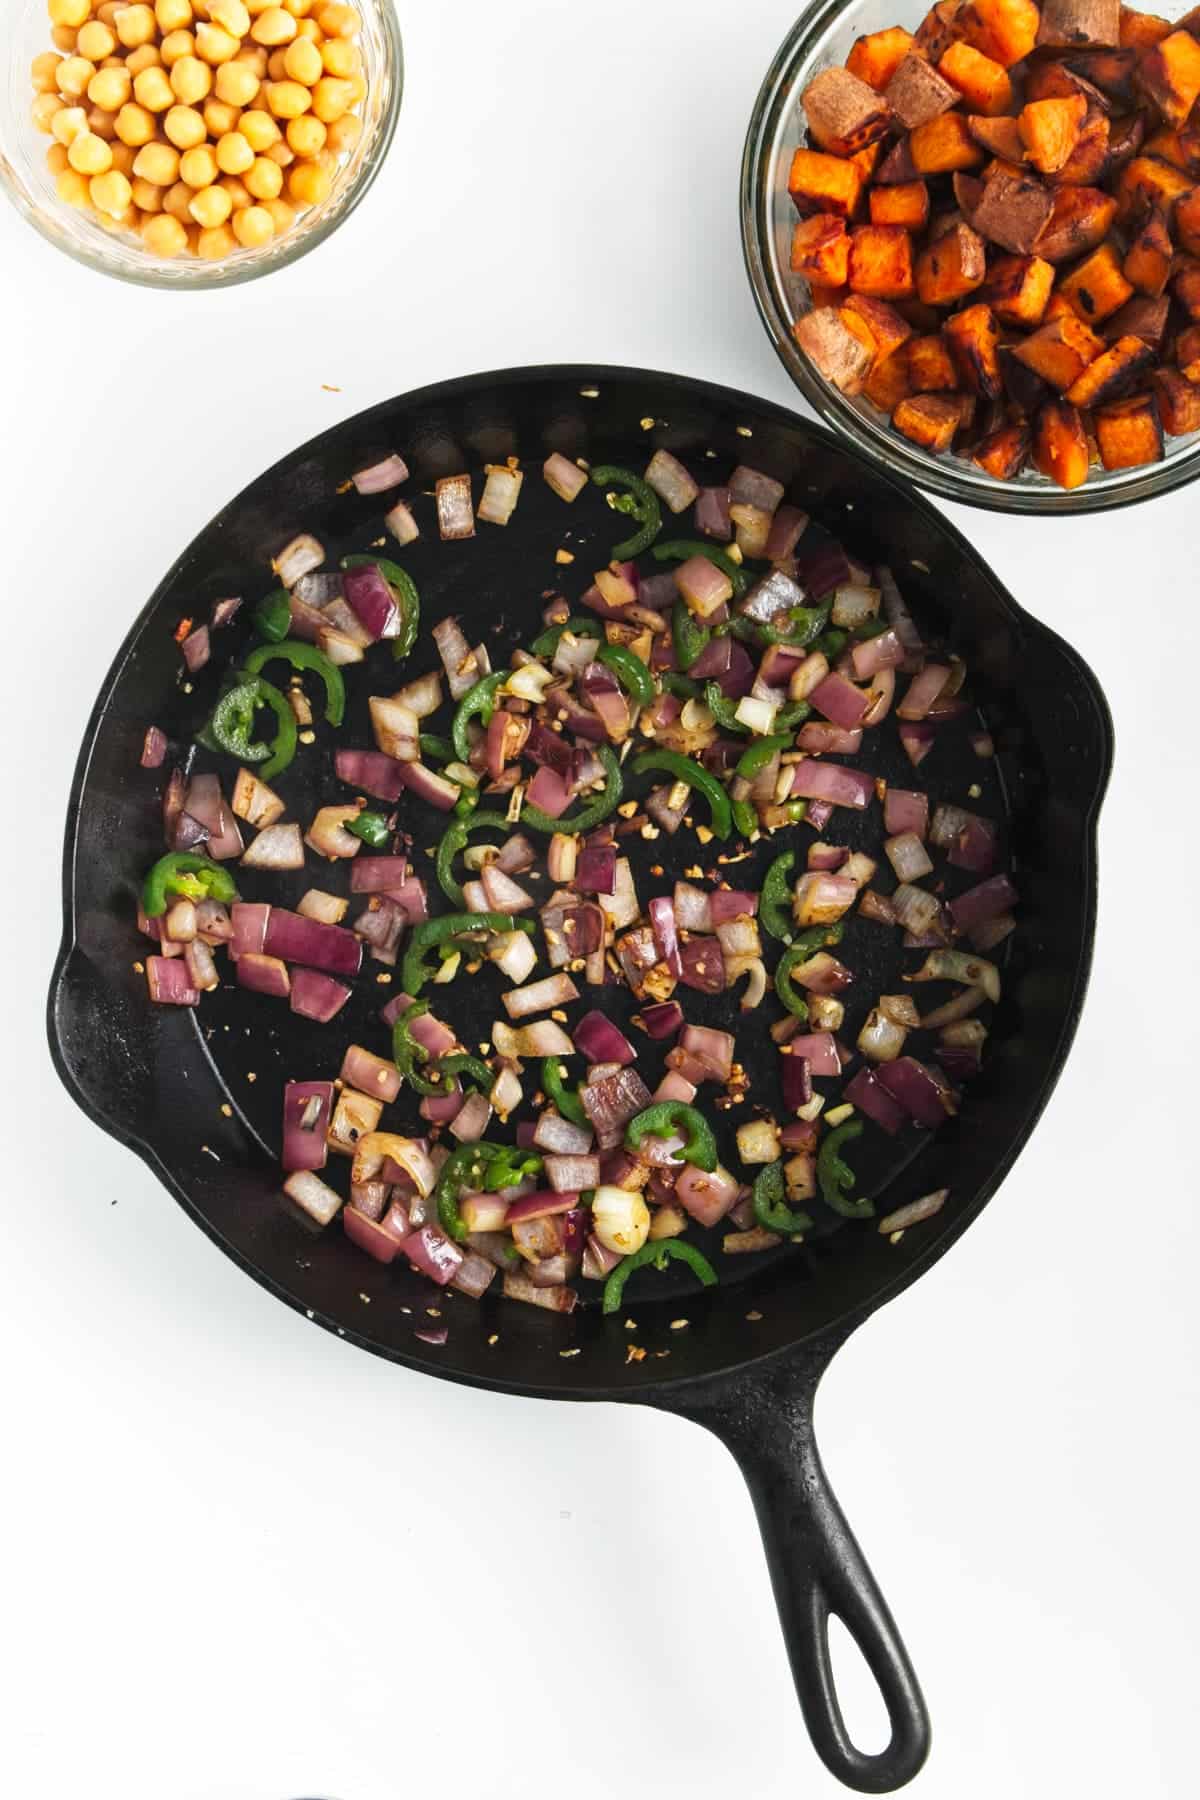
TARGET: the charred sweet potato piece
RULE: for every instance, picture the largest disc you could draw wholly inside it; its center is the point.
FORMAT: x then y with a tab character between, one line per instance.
1047	79
938	29
929	420
974	339
1060	351
1187	222
1058	308
1186	286
905	204
1013	212
881	262
1112	71
1050	130
1147	264
1005	30
1141	31
930	366
983	84
999	137
1129	433
1088	161
1066	23
833	349
876	57
943	145
1004	452
1167	146
1060	446
1080	218
1178	402
1111	374
953	266
866	161
917	93
1142	317
888	330
844	114
888	384
821	249
1125	139
819	183
1187	352
1022	388
897	166
1096	287
820	295
1169	75
1147	182
1017	289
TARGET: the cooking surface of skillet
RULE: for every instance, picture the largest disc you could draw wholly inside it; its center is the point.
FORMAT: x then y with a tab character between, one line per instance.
156	1079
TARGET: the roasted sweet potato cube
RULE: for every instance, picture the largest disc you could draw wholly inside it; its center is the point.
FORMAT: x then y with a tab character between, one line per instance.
1187	222
917	93
953	266
1169	75
1058	308
897	166
1080	218
876	57
819	183
1088	161
859	328
1013	212
1096	287
1017	289
923	319
929	420
1066	23
943	145
1048	79
1022	388
1178	402
1147	182
820	295
866	161
974	339
1142	317
983	85
905	204
1129	433
1112	374
888	330
1060	446
881	262
930	366
834	350
938	29
1112	71
1005	30
1167	146
821	249
1050	130
1141	31
1125	139
999	137
843	113
1147	264
1004	452
1186	286
1187	352
1060	351
888	384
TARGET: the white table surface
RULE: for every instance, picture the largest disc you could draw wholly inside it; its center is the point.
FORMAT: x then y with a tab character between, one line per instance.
194	1604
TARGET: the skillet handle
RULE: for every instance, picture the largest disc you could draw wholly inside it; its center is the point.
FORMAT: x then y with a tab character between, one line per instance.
765	1417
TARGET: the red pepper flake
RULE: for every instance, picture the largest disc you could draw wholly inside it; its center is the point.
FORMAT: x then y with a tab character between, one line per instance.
183	630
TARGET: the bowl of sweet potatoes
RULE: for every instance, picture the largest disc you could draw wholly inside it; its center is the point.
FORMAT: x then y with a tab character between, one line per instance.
973	233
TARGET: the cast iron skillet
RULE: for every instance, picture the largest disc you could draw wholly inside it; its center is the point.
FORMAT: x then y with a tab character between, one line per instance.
748	1365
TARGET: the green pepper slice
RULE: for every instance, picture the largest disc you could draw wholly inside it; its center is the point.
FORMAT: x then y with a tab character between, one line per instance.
745	819
273	616
415	971
775	898
439	748
639	501
305	656
769	1207
755	759
818	938
804	625
629	670
407	599
683	549
657	1254
372	828
565	1099
836	1177
683	769
679	685
723	710
456	839
233	720
478	701
669	1117
590	816
464	1167
509	1168
578	626
688	635
467	1067
193	877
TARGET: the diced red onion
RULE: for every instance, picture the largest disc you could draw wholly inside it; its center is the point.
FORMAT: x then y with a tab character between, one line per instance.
780	662
317	996
307	1108
401	523
440	1109
550	792
885	651
908	856
391	472
370	1074
378	874
923	690
224	612
820	738
712	514
278	847
312	1195
693	908
572	1174
201	966
249	921
703	586
551	1299
707	1198
820	1050
544	1204
920	1090
826	857
917	739
611	1103
795	1074
750	487
372	772
598	1039
372	600
596	871
430	1251
264	975
752	525
983	902
833	782
411	901
666	936
458	659
822	566
840	701
905	809
154	748
501	491
703	964
787	528
429	786
712	1050
564	478
296	939
455	511
992	932
662	1020
196	649
772	594
671	481
503	894
169	982
865	1091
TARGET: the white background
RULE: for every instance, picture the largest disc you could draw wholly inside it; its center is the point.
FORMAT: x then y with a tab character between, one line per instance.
244	1562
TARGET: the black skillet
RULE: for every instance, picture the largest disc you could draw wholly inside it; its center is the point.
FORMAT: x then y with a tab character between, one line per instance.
755	1348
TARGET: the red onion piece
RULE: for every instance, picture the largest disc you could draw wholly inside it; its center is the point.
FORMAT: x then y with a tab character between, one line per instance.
565	478
819	814
378	874
662	1020
821	1051
429	786
411	901
707	1198
611	1103
224	612
750	487
867	1093
908	856
703	964
828	858
983	902
551	1299
430	1251
473	1119
834	783
976	847
391	472
787	528
693	908
572	1174
473	1277
795	1074
550	792
675	1086
666	936
671	481
372	601
703	586
917	739
817	737
561	1137
201	966
598	1039
823	566
297	939
371	772
196	648
264	975
154	748
923	690
169	982
712	514
905	809
317	996
882	652
370	1074
441	1109
455	510
596	869
919	1089
307	1109
375	1238
711	1049
544	1204
840	701
779	664
249	927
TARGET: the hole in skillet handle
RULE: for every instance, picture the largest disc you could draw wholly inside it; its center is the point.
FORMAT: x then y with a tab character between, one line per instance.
764	1416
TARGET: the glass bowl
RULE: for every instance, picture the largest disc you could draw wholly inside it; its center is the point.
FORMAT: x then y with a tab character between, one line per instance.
30	185
822	38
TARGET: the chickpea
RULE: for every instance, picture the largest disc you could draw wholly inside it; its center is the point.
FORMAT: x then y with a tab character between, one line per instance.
56	159
309	184
252	56
107	12
331	98
338	21
111	193
191	80
198	167
309	31
176	201
216	46
184	127
219	118
63	38
72	188
70	14
176	45
123	156
287	99
259	130
157	163
153	91
67	122
110	88
281	154
236	84
43	70
277	66
211	206
340	57
135	125
89	154
231	15
135	26
283	215
103	123
253	227
302	63
306	135
95	41
46	108
164	235
344	133
216	244
233	153
146	197
173	15
264	179
239	194
73	75
275	26
299	9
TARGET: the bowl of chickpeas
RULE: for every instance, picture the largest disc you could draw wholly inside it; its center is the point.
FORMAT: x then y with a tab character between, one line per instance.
196	143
